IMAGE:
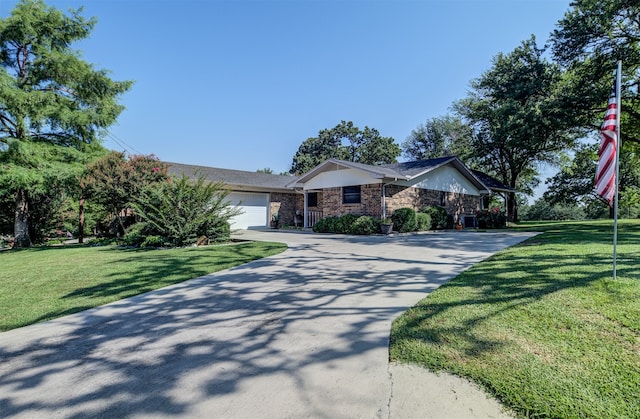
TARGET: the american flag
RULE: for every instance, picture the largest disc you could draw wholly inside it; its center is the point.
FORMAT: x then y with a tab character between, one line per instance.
605	182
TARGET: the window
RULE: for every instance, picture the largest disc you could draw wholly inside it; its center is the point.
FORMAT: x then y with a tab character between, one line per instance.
312	199
351	195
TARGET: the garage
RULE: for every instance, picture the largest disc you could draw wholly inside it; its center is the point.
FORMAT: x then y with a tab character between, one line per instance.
254	207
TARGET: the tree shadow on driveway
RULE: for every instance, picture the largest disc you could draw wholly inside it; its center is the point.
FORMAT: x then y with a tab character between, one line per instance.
302	333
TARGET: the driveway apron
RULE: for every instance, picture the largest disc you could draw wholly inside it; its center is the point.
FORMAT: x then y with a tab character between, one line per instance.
301	334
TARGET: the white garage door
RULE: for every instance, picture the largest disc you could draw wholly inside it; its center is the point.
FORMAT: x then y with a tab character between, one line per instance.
254	207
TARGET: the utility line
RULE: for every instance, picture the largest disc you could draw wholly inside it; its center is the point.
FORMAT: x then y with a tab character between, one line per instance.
122	143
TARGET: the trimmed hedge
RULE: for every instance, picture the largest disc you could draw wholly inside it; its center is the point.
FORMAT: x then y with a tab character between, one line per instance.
365	225
345	224
404	220
439	217
424	221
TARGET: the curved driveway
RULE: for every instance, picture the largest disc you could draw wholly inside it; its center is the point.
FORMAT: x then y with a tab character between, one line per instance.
301	334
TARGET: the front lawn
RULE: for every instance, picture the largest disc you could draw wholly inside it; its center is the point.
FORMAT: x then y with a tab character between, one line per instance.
43	283
542	325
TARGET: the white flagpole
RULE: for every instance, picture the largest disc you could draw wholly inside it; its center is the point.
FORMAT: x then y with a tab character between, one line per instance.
618	150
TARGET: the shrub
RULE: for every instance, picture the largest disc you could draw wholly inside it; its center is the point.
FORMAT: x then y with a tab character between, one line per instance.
338	225
344	223
134	235
439	217
365	226
132	239
404	220
153	241
325	225
182	209
494	218
424	221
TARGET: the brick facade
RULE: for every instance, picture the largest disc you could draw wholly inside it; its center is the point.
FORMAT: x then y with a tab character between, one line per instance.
285	205
370	202
396	197
330	202
456	204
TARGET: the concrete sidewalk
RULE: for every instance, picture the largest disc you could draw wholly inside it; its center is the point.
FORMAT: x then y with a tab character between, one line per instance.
301	334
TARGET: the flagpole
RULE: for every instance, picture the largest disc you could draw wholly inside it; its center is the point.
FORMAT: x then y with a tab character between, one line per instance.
618	150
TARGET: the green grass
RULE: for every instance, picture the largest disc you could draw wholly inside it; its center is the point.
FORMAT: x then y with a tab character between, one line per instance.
47	282
542	326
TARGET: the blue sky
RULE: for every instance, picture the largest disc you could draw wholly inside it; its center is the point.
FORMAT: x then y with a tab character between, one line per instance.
240	84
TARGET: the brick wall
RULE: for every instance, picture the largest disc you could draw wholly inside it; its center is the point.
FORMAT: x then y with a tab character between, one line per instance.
330	202
370	199
456	204
285	205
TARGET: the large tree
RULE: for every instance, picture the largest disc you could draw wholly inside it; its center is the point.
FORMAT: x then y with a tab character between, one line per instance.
517	118
346	142
589	40
439	137
49	97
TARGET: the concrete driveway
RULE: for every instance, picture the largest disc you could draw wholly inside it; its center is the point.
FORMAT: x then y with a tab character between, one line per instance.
301	334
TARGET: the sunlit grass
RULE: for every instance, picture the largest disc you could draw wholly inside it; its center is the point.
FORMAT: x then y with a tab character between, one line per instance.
541	325
44	283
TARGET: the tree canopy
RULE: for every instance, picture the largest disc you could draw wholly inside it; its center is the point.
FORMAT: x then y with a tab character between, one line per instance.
517	119
49	98
589	40
438	137
345	142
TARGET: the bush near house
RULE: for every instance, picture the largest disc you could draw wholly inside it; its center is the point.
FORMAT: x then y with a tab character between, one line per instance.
494	218
179	211
365	226
424	221
404	220
439	217
348	224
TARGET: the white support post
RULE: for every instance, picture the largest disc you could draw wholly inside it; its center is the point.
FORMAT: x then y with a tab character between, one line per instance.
306	210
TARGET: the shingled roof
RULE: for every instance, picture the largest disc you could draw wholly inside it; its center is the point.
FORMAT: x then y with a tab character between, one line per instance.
254	181
494	184
238	179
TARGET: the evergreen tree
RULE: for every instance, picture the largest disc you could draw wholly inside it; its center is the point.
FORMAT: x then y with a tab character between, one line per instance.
52	103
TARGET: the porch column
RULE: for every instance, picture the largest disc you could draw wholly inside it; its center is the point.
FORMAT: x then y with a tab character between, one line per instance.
306	210
384	202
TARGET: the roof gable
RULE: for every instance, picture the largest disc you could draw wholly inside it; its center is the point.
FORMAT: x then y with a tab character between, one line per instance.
408	172
416	168
376	172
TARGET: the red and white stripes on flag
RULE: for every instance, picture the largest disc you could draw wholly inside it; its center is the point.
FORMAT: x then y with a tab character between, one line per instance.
605	182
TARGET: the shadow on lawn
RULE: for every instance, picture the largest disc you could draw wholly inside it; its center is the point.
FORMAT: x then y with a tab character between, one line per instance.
209	346
521	281
158	268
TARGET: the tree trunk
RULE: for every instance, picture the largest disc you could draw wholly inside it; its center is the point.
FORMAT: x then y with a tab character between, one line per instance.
81	221
512	207
21	224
